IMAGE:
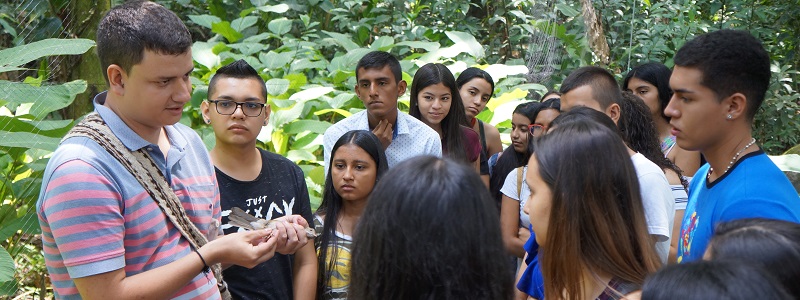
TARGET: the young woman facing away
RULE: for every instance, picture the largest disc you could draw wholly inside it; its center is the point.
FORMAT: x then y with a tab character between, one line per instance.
429	233
587	214
639	132
436	102
514	222
357	164
650	82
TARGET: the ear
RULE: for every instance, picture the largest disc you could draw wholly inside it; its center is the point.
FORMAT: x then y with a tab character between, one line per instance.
204	110
267	113
116	79
737	105
613	111
401	88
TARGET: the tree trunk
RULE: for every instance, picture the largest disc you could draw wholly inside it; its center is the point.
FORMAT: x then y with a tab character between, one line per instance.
594	32
82	21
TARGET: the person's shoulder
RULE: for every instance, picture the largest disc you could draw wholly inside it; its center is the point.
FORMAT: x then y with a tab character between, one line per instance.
348	123
490	130
645	166
278	160
419	129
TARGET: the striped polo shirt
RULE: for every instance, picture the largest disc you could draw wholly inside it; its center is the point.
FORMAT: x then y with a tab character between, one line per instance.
97	218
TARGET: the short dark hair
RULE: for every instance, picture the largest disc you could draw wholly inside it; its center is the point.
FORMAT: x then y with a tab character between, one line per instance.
604	87
472	73
378	60
700	280
127	30
731	61
771	244
412	241
239	69
656	74
332	202
581	113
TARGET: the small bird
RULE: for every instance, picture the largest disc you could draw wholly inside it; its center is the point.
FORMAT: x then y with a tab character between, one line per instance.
240	218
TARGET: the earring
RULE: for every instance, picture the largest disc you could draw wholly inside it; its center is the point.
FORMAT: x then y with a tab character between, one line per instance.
208	121
729	116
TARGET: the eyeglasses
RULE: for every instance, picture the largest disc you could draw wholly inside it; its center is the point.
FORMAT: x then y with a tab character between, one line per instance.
537	129
228	107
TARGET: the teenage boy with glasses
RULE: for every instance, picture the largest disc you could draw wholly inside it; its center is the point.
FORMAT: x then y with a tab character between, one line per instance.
261	183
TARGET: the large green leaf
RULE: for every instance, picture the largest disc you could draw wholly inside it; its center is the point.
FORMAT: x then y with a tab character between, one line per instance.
51	128
45	99
277	86
28	140
20	55
280	8
312	93
241	24
280	26
6	266
342	40
28	223
206	21
466	42
225	29
306	125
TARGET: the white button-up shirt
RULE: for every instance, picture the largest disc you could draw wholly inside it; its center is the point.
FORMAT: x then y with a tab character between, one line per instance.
414	138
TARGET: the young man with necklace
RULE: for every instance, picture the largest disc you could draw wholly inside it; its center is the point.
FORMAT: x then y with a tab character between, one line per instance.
720	79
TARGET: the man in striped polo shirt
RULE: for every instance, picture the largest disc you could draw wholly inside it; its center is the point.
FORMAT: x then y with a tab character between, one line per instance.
103	235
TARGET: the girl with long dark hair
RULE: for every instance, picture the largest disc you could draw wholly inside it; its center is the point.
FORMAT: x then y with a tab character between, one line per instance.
357	164
435	101
476	87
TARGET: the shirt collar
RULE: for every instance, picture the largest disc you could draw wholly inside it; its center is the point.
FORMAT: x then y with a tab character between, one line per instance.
401	125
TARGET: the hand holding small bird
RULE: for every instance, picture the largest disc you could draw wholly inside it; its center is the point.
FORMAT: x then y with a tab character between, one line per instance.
293	231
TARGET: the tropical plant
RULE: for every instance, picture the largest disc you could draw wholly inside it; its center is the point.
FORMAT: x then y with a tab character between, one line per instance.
29	133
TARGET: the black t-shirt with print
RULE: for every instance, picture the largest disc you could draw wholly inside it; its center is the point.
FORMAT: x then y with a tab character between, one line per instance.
279	190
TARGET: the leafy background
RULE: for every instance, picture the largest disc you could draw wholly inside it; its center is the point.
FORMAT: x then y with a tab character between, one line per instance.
307	50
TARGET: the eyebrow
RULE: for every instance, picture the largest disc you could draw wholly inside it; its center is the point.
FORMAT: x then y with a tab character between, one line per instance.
226	97
429	93
376	79
682	91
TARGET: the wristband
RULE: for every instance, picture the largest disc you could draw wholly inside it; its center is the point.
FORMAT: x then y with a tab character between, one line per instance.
206	268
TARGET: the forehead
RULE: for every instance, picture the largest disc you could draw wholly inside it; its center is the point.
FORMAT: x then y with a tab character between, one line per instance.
350	152
635	83
371	74
478	83
580	96
520	119
438	88
156	65
239	89
685	77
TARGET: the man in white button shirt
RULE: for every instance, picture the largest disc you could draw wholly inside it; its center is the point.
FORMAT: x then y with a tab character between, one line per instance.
379	84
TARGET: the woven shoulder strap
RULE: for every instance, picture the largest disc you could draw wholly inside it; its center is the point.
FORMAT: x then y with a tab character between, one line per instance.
144	169
519	183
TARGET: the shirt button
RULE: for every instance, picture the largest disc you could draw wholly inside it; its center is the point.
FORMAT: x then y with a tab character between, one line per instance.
150	149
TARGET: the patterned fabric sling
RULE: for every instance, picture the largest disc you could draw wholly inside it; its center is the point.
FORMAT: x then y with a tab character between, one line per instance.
141	165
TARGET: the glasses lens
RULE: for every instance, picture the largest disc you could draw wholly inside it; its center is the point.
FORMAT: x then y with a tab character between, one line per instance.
251	109
225	107
536	130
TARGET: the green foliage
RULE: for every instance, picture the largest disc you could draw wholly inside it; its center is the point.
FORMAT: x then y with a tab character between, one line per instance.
309	66
29	135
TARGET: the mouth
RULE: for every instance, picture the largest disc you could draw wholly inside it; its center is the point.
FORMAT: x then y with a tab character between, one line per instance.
237	127
436	115
473	110
347	188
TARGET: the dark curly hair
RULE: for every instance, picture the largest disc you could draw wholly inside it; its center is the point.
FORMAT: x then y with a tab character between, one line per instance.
639	132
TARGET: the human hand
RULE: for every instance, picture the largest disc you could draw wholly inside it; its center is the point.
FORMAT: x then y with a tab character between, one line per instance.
524	234
247	249
240	218
292	233
384	133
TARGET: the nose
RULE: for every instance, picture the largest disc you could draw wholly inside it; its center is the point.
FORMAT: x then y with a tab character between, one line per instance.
437	104
373	90
515	133
183	92
670	110
348	174
238	111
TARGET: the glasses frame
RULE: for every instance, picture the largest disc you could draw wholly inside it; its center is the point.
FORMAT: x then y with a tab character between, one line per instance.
239	105
534	127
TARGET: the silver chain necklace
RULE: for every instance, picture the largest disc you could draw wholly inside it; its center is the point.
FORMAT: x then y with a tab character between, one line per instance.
733	160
